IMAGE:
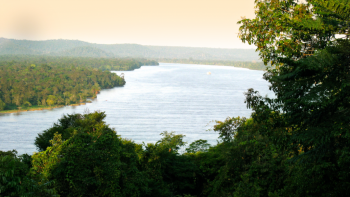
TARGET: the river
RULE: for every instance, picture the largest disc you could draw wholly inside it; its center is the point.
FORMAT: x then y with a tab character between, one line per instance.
183	98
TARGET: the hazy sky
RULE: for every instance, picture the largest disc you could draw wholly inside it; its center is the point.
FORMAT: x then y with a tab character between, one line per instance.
195	23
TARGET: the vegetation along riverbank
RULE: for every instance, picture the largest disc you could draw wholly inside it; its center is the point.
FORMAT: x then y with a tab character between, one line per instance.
295	144
41	82
253	65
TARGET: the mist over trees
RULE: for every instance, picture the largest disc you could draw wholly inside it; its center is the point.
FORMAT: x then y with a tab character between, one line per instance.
84	49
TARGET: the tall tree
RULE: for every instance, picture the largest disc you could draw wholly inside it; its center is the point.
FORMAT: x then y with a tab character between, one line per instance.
310	76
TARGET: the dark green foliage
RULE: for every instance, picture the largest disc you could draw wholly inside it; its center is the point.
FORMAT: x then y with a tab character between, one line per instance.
84	157
169	173
254	162
90	165
134	182
12	174
91	160
311	82
66	127
14	178
198	146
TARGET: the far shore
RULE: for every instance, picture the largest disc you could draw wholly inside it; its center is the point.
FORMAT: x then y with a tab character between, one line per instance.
38	108
211	64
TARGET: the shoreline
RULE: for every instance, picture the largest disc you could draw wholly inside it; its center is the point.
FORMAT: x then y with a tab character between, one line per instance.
39	108
212	65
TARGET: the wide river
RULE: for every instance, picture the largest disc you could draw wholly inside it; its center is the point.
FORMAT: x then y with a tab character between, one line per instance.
170	97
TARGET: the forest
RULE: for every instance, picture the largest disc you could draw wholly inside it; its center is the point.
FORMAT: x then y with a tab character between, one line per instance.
104	64
296	144
37	81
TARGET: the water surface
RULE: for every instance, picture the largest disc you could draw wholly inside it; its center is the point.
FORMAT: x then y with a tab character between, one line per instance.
169	97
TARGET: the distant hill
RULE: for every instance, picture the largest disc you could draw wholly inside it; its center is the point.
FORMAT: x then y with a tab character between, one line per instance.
84	51
76	48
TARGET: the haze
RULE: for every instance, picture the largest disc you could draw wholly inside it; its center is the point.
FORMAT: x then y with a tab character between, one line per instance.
193	23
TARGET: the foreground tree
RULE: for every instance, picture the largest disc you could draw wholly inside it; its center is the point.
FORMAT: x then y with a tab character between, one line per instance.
14	179
86	158
310	76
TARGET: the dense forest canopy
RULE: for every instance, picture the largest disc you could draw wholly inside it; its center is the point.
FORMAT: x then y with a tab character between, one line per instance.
116	64
27	81
296	144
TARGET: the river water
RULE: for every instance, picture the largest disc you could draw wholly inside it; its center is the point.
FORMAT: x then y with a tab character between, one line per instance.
170	97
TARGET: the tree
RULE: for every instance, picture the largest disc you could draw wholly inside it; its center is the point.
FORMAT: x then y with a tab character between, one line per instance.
27	104
309	76
198	146
86	158
64	127
96	88
14	180
51	100
168	173
12	173
43	101
228	128
2	105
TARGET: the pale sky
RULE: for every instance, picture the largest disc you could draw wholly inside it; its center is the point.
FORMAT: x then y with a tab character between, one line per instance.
193	23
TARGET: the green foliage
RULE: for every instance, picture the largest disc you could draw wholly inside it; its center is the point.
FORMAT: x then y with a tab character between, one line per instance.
198	146
312	87
87	158
27	104
64	127
12	173
104	64
246	163
171	141
296	144
90	164
51	100
168	172
14	178
228	128
54	82
2	105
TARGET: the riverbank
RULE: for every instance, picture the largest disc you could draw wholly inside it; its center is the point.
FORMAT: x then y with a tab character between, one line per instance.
38	108
252	65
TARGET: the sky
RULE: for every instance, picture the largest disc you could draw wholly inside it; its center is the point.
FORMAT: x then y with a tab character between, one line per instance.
191	23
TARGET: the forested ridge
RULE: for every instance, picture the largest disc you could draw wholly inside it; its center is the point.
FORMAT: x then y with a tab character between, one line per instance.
295	144
76	48
28	81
